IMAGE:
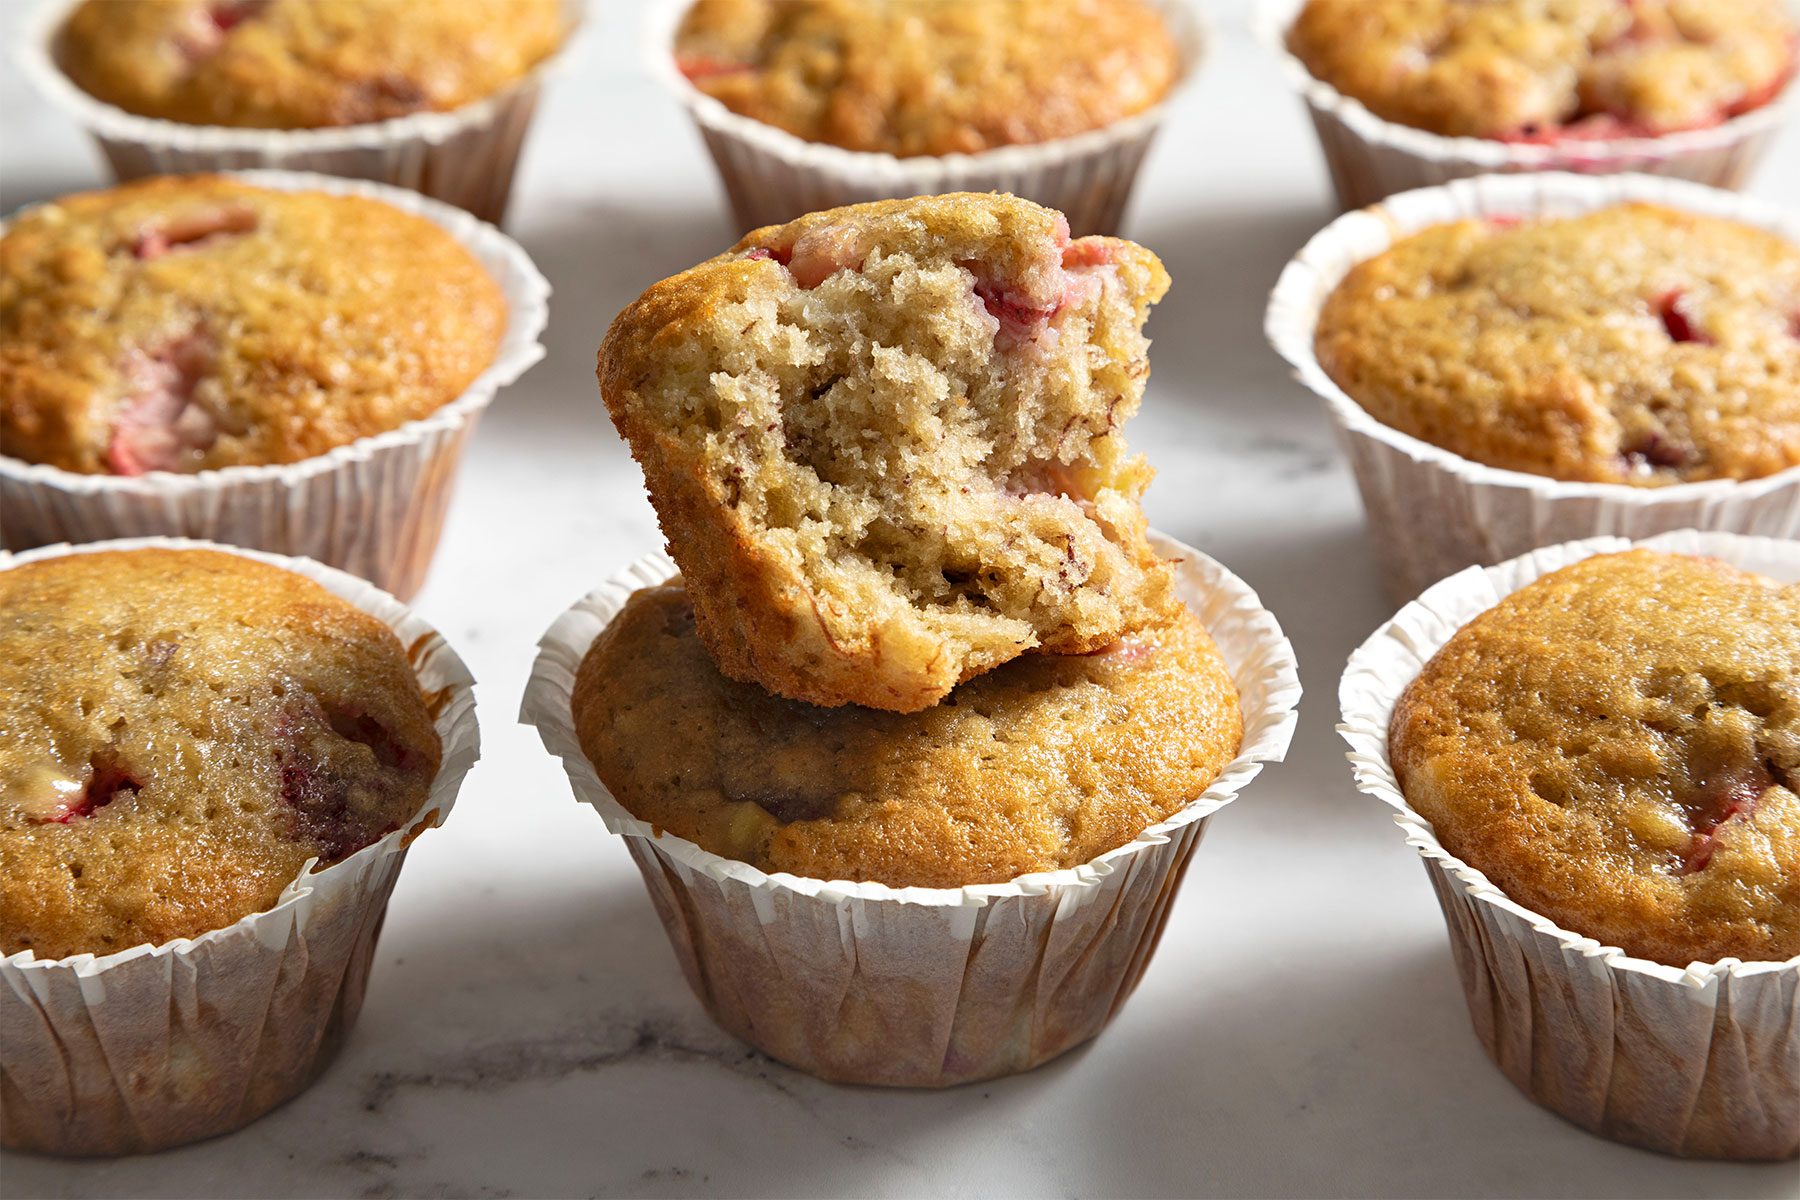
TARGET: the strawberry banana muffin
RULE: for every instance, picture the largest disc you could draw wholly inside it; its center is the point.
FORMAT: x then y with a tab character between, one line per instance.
185	324
884	444
1550	70
185	731
1617	747
1634	345
302	64
1043	764
923	77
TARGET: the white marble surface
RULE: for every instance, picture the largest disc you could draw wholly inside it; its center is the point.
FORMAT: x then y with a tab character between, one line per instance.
527	1032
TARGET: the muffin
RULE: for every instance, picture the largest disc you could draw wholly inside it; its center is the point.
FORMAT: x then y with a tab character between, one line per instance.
189	324
302	64
1636	344
1537	71
814	104
1056	802
187	730
1617	747
1041	765
884	444
921	77
213	767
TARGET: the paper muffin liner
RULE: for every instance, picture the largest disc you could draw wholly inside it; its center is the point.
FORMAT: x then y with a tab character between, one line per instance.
1702	1060
157	1046
1432	512
924	987
772	176
374	507
465	157
1370	158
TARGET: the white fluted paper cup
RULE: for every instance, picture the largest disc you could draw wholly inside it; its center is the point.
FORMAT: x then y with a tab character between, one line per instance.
1431	512
1702	1060
924	987
1370	158
465	157
374	507
772	176
157	1046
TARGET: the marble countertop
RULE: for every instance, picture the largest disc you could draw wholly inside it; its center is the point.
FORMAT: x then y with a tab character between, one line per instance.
527	1032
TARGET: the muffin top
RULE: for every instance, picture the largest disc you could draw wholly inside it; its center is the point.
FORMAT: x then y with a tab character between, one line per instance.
185	729
183	324
302	64
927	77
1042	764
1634	345
1617	747
1550	70
885	443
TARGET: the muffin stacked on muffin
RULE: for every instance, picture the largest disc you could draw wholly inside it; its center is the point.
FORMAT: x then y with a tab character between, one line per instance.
885	446
191	323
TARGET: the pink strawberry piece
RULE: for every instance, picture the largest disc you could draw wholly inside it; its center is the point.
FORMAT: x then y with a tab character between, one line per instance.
1672	308
1088	252
229	14
1722	798
159	425
821	253
1019	318
104	783
698	66
192	231
1653	450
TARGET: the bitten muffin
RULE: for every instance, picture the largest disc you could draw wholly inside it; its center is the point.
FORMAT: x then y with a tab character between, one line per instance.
1634	345
884	444
302	64
924	77
1045	763
185	730
1617	747
1550	70
184	324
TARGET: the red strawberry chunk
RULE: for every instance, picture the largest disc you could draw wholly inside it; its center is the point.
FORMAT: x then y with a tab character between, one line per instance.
159	426
1722	797
104	781
699	66
1679	323
192	231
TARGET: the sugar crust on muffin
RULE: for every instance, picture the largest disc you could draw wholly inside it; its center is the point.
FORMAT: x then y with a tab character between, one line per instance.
1617	747
189	323
185	729
302	64
1637	344
923	77
1042	764
884	444
1550	70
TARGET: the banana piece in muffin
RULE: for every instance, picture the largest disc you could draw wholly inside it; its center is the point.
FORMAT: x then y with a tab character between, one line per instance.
884	444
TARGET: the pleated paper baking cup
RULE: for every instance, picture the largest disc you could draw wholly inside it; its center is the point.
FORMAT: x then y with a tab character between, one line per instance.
465	157
1701	1061
772	176
374	507
1432	512
157	1046
1370	158
924	987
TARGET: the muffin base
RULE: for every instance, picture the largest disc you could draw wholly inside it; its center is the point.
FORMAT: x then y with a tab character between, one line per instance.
771	176
158	1046
924	987
374	507
466	157
1702	1061
1371	158
1480	514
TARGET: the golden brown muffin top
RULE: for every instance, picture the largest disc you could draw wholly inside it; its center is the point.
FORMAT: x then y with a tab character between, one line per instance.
302	64
184	729
1550	70
1045	763
1617	747
183	324
1635	345
885	444
929	77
